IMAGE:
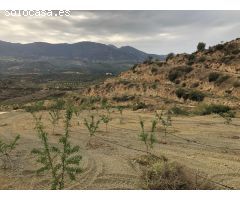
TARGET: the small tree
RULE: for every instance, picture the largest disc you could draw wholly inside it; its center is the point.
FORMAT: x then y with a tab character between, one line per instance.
120	109
54	118
91	125
169	56
77	111
165	120
148	138
201	46
60	160
106	119
6	149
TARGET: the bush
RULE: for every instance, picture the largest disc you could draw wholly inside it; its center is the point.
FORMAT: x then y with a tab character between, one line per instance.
178	72
191	57
165	175
222	79
196	95
178	111
219	47
169	56
139	105
123	98
213	76
202	59
236	84
213	109
180	92
193	95
201	46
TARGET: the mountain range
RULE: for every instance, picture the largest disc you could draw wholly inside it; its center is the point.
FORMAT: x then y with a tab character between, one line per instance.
84	51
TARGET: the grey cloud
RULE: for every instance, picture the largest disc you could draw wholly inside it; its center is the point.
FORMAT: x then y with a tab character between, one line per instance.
151	31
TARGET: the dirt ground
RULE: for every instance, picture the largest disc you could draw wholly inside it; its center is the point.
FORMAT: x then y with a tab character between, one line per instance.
203	143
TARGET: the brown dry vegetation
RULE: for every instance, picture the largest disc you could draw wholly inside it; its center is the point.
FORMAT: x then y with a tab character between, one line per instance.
155	83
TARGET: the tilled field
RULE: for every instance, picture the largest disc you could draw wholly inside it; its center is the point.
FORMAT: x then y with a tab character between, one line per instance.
204	144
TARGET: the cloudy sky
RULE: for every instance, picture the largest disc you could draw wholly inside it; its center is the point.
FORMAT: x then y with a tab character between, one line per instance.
157	32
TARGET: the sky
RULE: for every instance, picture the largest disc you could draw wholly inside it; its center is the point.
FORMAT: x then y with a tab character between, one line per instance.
158	32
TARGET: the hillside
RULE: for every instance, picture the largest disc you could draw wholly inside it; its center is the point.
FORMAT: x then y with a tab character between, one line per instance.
211	76
88	51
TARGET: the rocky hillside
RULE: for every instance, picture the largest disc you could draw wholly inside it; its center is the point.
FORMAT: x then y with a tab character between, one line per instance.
209	76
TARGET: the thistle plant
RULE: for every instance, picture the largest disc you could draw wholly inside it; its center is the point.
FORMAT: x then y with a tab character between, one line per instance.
106	119
6	149
165	120
62	160
92	125
148	138
120	109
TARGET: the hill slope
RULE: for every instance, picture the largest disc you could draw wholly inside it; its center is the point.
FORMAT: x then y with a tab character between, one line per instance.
213	74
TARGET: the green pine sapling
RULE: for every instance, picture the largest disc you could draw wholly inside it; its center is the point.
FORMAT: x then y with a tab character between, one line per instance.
6	149
60	161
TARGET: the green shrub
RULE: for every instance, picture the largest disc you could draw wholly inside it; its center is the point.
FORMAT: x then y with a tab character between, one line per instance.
213	76
193	95
169	56
139	105
219	47
180	92
178	111
201	46
222	79
213	109
236	84
123	98
202	59
178	72
196	95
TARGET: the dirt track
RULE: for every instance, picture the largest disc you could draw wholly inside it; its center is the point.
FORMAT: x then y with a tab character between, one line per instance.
203	143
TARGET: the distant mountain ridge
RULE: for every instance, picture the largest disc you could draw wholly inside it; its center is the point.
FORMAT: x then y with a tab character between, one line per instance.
88	51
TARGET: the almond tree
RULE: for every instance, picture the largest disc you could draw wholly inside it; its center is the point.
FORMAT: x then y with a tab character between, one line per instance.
165	120
148	138
106	119
120	109
91	125
60	161
6	149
